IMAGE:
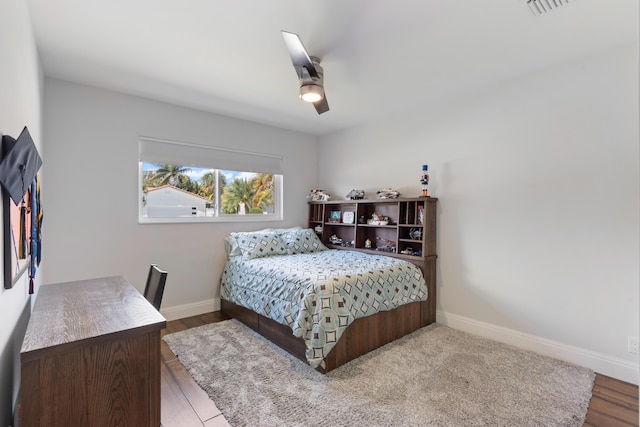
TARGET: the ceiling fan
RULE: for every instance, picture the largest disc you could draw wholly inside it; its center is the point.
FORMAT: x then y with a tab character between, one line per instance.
309	71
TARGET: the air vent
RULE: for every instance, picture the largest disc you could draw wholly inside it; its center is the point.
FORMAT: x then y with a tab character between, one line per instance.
538	7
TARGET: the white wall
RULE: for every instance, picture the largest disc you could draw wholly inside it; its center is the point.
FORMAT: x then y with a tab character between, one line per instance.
538	183
90	207
20	84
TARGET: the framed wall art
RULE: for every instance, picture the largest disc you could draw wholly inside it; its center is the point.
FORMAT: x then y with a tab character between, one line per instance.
17	238
22	214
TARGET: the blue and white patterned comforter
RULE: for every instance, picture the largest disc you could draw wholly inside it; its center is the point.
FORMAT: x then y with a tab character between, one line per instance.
319	294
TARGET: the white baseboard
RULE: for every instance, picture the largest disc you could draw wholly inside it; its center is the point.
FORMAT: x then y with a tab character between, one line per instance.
188	310
599	362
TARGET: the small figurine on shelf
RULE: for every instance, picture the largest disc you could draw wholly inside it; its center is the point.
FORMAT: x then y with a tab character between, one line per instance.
385	245
319	196
424	180
335	240
367	244
356	195
388	193
415	233
378	219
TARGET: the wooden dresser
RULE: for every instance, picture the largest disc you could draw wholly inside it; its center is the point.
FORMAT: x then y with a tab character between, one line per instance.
91	357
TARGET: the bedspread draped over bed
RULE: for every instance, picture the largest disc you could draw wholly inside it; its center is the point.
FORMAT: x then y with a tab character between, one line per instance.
319	294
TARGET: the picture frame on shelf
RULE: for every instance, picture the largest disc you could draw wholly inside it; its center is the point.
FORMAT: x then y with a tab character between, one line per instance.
335	217
349	217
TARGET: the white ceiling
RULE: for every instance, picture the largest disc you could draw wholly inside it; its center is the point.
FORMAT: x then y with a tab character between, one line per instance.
380	57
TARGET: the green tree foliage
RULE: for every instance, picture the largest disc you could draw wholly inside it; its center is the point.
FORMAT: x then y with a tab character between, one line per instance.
240	191
173	175
263	184
169	175
208	185
148	180
255	193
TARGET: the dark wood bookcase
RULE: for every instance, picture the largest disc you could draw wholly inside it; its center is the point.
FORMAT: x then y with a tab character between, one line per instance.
410	232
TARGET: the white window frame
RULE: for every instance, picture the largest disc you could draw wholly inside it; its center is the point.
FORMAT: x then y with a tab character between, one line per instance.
163	151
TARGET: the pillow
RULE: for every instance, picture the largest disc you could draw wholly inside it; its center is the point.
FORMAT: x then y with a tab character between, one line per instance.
260	244
303	242
231	246
281	230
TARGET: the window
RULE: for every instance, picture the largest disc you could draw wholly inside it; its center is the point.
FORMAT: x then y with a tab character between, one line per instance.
180	182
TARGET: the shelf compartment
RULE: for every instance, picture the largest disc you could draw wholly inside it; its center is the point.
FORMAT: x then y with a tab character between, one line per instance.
410	247
316	213
379	236
387	209
346	232
412	212
415	232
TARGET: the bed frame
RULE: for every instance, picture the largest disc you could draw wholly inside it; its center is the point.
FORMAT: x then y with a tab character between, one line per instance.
362	336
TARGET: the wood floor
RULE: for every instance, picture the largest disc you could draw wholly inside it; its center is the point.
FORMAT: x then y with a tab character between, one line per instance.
184	404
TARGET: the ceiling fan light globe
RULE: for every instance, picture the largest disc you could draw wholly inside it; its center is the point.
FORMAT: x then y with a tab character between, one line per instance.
311	93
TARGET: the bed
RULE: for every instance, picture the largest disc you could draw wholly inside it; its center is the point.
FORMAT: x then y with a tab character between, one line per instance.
325	306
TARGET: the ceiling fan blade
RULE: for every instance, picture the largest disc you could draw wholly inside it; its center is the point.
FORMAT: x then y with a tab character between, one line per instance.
322	106
304	66
299	56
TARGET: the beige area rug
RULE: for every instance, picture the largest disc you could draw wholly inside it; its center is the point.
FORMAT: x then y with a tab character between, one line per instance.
436	376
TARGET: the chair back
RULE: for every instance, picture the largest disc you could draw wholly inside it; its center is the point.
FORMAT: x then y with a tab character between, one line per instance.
154	288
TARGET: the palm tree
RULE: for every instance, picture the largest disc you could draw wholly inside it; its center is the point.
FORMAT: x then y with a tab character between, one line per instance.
207	185
263	184
240	191
148	180
173	175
